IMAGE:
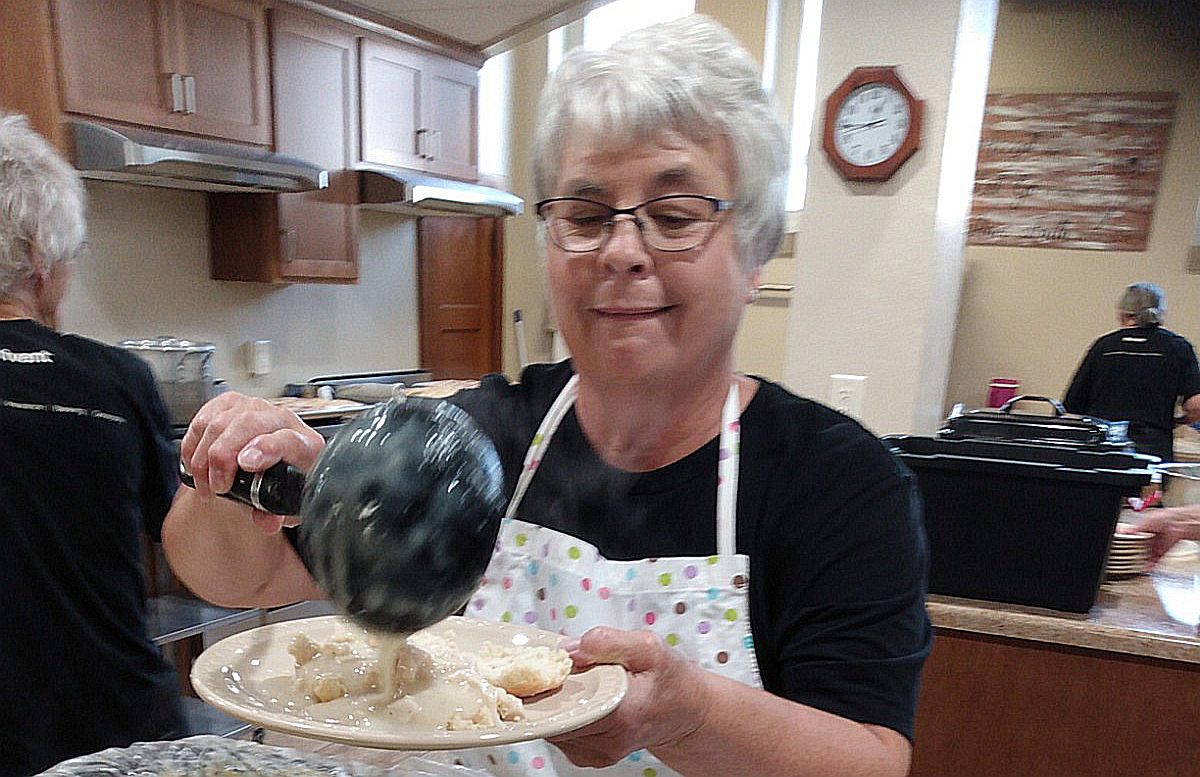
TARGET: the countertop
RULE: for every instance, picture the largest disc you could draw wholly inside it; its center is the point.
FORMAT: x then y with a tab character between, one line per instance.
1153	615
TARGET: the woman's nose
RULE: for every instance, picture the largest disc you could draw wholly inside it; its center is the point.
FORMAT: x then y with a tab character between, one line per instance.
624	251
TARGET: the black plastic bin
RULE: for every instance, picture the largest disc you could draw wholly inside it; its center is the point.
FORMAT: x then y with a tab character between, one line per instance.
1020	522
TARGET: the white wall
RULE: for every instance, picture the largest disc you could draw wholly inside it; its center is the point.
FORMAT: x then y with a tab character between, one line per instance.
877	265
147	275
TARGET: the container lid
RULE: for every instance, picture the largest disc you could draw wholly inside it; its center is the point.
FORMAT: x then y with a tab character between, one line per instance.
1120	468
1059	428
167	344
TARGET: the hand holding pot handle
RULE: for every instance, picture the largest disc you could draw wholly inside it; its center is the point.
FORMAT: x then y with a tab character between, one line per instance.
277	489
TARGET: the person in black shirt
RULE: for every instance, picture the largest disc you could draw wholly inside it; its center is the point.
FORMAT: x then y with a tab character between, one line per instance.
86	465
754	560
1139	374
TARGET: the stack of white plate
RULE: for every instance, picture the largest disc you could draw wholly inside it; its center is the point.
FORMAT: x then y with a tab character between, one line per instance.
1130	552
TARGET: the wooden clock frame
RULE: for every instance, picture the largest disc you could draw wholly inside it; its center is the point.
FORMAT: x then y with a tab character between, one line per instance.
860	76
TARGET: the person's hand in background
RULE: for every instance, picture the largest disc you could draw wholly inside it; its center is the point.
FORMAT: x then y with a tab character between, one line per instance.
1169	525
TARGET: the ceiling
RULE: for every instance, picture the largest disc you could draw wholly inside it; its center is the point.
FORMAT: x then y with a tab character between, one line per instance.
484	26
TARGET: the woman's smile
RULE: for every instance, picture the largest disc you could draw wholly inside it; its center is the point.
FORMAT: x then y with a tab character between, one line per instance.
631	313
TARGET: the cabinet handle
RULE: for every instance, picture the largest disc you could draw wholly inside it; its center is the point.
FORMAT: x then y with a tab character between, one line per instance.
176	92
189	94
287	240
421	142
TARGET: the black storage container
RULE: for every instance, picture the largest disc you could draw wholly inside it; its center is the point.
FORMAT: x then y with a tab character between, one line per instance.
1020	522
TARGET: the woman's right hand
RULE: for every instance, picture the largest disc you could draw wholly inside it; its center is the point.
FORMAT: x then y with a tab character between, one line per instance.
1169	525
235	431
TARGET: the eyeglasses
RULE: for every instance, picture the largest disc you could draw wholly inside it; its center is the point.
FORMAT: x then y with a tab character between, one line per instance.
676	222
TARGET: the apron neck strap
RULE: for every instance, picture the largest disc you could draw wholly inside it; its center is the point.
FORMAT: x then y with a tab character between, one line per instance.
728	458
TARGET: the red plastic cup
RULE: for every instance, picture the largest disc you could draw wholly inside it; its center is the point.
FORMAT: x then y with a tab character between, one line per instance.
1000	390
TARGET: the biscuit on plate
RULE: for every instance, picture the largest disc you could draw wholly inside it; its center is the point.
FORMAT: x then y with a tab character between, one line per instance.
524	671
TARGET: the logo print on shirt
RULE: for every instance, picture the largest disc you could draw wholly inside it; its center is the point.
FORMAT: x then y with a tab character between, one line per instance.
27	357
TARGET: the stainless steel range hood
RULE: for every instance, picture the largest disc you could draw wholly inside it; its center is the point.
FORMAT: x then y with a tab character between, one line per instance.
399	191
180	162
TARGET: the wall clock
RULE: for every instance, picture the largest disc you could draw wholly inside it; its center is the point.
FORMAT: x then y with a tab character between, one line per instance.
872	124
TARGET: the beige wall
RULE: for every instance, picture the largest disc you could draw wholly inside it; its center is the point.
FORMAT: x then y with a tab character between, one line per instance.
746	19
147	275
878	265
1030	313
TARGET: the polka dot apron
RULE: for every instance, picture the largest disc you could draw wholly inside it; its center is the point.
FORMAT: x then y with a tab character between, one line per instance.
543	578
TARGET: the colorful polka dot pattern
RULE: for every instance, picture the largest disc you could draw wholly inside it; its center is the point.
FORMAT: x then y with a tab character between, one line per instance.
697	605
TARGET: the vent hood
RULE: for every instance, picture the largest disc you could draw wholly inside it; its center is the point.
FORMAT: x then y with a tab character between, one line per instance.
399	191
181	162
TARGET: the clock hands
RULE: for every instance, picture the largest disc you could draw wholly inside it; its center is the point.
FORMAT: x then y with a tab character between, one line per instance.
864	125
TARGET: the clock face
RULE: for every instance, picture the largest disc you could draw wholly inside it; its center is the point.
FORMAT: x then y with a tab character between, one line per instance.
872	123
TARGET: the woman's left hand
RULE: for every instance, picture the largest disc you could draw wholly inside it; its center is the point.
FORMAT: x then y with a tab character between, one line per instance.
665	703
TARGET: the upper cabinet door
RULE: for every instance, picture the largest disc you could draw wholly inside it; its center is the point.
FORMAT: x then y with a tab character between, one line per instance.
392	104
224	61
116	60
452	105
316	114
198	66
419	110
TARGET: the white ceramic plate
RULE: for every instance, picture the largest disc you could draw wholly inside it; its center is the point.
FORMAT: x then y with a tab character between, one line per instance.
1130	534
1123	569
241	675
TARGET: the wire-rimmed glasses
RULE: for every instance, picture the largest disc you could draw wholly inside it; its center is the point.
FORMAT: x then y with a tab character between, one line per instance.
675	222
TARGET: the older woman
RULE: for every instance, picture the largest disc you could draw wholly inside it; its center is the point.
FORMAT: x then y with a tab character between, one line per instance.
86	465
754	560
1138	373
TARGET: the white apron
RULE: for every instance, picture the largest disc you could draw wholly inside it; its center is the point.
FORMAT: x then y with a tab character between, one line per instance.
544	578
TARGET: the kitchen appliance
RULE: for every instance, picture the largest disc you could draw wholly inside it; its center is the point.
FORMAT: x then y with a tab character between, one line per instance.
183	370
399	515
1026	519
400	191
183	162
343	385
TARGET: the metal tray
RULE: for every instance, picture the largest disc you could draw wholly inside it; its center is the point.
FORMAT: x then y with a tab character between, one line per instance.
1059	428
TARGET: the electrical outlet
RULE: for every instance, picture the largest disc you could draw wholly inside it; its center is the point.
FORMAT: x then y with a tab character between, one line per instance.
846	393
1193	261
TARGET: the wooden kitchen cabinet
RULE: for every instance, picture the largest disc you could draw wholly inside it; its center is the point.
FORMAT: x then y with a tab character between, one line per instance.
419	110
995	707
197	66
310	236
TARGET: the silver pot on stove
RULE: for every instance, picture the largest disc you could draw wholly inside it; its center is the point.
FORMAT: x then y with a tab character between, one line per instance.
183	370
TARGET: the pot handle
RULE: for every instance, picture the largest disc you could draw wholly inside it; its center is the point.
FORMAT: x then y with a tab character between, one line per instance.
1058	408
277	490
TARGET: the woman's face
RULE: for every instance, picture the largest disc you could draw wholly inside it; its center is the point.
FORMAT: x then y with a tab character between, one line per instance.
631	313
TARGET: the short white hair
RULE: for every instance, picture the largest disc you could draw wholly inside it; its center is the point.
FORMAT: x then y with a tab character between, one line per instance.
689	76
1145	302
41	205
